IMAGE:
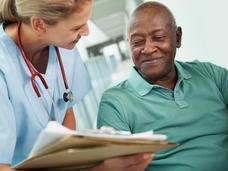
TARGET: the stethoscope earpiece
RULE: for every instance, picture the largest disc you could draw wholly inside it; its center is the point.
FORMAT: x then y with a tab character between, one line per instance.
68	96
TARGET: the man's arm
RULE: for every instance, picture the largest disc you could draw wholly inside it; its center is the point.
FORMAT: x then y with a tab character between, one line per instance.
112	112
219	76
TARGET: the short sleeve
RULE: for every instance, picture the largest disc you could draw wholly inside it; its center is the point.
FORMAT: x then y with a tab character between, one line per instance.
219	76
7	125
111	113
77	75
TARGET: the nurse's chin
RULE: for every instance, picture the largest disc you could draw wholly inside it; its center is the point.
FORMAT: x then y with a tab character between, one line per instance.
69	46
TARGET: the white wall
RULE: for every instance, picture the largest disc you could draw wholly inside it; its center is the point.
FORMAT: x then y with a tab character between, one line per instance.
205	29
95	36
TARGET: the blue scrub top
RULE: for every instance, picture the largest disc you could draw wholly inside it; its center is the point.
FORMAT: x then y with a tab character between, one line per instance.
22	115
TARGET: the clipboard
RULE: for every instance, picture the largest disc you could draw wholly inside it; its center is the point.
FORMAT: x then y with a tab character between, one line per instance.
82	151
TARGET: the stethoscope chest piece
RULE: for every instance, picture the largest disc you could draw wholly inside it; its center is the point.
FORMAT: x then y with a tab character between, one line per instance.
68	96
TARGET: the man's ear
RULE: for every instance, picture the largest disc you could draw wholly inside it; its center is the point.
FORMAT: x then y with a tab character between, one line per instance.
128	40
38	24
178	37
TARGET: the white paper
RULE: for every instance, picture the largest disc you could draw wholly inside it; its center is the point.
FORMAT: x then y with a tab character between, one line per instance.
55	131
50	134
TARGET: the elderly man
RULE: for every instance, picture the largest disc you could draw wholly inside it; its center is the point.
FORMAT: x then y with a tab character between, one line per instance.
187	101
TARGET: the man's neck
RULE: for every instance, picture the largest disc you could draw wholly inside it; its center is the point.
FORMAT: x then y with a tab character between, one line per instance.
168	81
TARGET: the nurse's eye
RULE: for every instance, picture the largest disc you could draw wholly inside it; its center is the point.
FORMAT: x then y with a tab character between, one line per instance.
77	28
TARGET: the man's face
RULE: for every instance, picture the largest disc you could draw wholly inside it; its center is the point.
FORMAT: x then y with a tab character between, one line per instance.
153	42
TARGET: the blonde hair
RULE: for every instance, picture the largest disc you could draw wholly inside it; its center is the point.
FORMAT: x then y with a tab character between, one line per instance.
51	11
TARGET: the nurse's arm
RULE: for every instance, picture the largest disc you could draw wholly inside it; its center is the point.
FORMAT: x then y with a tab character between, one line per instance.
5	167
126	163
69	120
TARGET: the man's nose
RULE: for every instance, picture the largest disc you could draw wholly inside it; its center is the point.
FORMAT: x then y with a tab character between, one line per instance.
149	47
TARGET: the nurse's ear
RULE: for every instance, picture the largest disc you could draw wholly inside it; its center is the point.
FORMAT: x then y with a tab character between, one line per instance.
37	24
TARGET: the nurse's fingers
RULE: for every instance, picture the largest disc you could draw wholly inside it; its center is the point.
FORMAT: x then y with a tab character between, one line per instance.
125	163
136	159
139	167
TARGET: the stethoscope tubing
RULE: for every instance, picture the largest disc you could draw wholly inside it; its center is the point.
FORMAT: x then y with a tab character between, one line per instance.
32	70
35	74
61	67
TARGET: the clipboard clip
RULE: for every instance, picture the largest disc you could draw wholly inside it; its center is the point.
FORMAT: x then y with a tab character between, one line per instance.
107	130
112	131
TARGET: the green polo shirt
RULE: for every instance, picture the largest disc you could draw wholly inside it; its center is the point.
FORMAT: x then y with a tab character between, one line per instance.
194	115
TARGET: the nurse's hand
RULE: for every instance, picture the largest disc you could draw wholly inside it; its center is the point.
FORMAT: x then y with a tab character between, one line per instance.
127	163
5	167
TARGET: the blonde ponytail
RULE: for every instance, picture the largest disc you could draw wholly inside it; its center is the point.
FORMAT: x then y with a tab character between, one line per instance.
51	11
7	11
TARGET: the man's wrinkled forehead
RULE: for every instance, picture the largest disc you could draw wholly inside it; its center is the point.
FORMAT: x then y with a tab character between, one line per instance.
148	12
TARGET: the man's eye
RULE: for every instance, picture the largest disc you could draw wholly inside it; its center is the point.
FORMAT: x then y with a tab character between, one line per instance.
137	43
158	38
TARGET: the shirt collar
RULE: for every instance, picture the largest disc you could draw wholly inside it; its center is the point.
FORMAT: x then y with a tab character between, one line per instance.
142	87
183	74
138	83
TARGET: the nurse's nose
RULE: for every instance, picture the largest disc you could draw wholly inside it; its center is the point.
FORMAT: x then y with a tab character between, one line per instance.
84	30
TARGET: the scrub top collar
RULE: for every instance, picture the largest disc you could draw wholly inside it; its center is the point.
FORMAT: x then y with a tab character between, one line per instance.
9	43
142	87
49	76
13	49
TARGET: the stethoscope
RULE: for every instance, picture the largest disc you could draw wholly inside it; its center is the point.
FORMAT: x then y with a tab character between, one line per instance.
67	95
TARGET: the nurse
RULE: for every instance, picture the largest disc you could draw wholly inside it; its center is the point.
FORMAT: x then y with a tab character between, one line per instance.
30	33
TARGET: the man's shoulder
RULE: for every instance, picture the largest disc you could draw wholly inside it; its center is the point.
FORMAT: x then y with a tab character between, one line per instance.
195	63
203	67
121	86
118	89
